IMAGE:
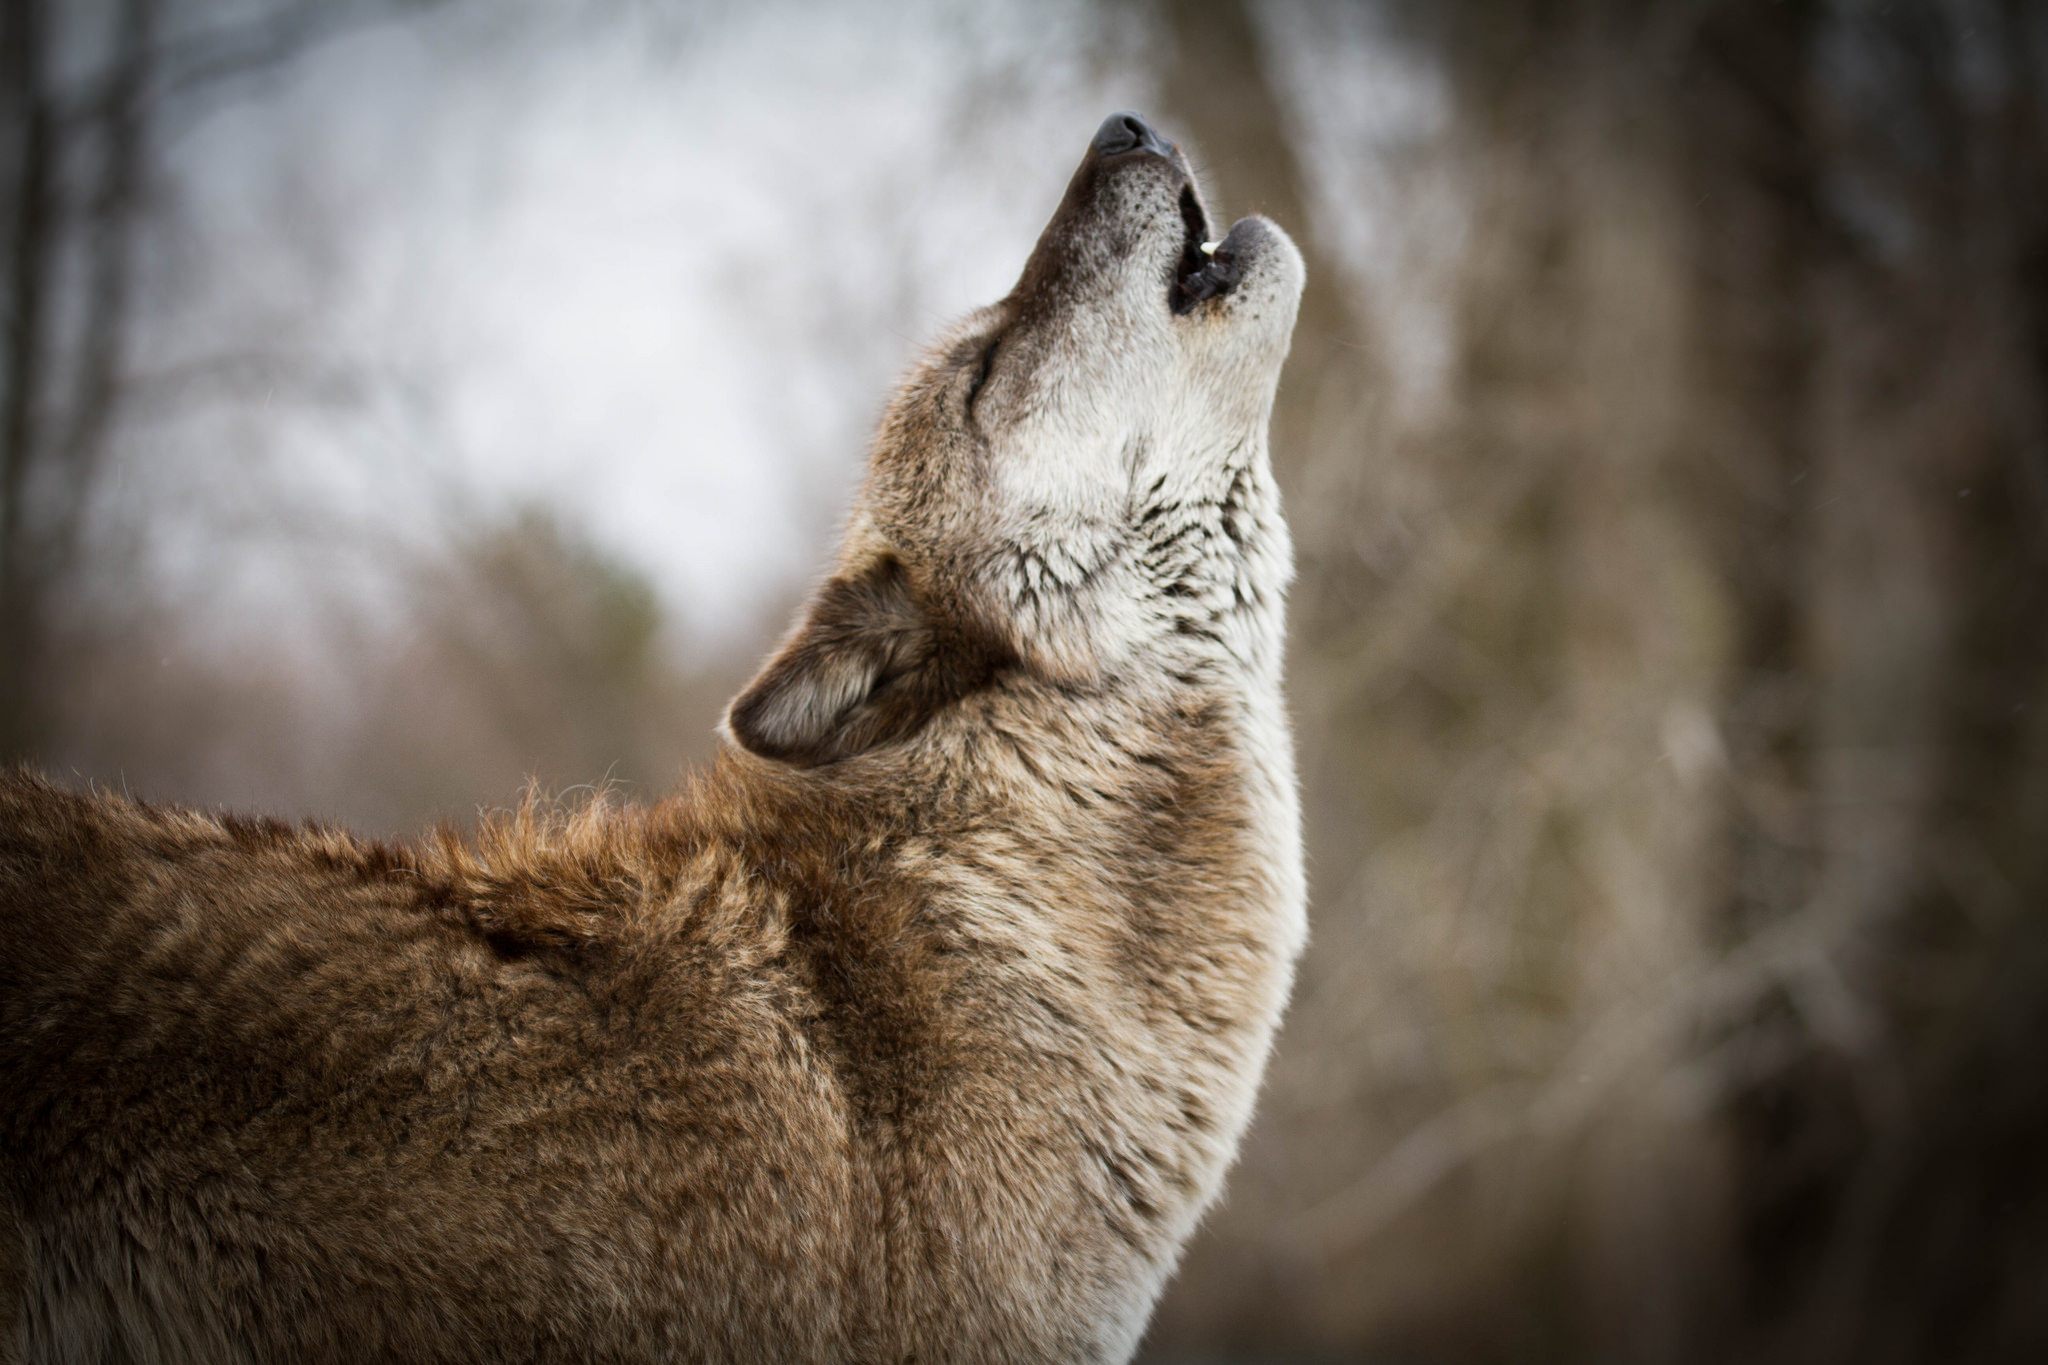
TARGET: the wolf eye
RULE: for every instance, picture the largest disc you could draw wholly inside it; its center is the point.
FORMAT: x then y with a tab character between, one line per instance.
988	361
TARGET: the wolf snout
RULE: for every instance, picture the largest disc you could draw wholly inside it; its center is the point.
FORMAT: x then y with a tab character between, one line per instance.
1126	132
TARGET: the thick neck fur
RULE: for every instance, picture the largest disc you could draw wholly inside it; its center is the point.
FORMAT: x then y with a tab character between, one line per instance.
1117	868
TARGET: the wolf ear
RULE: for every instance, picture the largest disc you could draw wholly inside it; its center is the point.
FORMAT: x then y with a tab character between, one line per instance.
868	665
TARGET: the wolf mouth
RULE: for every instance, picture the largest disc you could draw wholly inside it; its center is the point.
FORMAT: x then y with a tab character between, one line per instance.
1200	274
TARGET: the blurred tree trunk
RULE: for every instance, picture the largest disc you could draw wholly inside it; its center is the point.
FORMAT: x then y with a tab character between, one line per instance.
63	385
1746	102
30	243
1607	634
1886	725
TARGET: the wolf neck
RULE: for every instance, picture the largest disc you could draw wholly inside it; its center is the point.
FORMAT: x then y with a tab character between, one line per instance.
1200	691
1160	846
1185	765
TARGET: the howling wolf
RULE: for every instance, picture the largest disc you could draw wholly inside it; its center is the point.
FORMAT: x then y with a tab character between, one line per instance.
922	1025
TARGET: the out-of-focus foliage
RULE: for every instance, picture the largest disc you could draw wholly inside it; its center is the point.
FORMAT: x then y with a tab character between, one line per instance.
1666	441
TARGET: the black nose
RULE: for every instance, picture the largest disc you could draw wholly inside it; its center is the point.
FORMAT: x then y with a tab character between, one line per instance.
1126	132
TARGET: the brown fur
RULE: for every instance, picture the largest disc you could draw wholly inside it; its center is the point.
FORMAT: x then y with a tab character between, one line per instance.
921	1025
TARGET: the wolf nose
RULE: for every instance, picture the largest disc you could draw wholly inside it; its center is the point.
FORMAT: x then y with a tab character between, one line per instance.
1126	132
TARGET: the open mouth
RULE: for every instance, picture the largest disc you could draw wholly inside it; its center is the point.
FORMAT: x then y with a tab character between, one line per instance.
1207	269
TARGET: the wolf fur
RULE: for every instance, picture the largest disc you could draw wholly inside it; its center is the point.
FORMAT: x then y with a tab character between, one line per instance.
921	1025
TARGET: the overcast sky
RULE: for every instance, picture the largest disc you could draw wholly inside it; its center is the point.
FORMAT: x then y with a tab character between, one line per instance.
656	273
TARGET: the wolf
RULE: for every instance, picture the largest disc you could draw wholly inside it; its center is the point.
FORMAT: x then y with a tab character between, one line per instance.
921	1024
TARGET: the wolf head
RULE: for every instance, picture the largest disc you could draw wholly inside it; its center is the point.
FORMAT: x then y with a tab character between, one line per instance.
1071	486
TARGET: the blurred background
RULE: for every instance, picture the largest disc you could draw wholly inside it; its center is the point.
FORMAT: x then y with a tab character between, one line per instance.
404	398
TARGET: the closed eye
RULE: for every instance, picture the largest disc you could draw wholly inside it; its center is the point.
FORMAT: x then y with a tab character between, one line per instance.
988	363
